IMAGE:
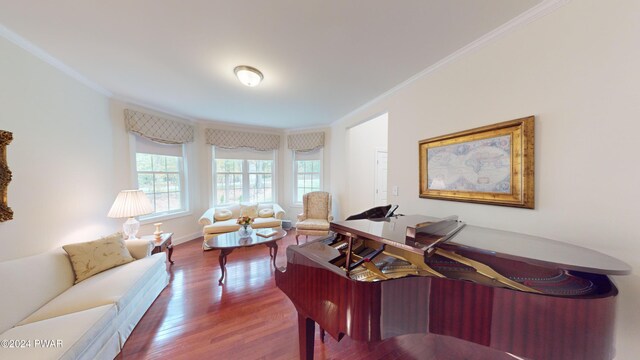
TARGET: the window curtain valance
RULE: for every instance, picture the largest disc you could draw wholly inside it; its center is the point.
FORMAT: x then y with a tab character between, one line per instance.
158	129
306	141
237	139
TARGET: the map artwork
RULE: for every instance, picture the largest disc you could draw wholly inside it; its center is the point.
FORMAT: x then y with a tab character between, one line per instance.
474	166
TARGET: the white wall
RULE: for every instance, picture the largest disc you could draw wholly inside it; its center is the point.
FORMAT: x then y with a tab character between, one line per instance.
65	174
70	157
363	140
576	70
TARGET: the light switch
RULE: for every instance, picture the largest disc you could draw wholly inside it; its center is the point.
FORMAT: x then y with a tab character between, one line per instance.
395	190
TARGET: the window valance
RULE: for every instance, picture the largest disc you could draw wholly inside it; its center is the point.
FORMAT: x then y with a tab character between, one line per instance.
237	139
158	129
306	141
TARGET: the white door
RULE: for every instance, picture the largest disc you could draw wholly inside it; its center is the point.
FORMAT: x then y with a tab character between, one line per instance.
381	178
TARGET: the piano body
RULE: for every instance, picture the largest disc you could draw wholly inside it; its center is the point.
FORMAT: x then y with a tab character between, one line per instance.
497	294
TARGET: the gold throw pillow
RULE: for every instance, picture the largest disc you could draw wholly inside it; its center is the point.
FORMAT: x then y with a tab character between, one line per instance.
90	258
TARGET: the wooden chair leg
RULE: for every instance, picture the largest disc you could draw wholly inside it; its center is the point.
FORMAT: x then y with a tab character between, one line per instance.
297	242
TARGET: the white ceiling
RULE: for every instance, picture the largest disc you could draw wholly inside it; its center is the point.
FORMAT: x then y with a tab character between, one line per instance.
321	59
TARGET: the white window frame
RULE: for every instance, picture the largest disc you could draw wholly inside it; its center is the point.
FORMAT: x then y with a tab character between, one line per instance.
294	164
245	156
184	185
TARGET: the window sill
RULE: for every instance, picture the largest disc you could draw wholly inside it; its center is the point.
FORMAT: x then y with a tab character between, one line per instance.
155	218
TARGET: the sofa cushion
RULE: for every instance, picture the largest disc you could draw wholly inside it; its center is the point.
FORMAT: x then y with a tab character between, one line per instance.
265	206
249	210
221	227
92	257
313	224
266	223
222	214
265	213
76	332
114	286
235	210
30	282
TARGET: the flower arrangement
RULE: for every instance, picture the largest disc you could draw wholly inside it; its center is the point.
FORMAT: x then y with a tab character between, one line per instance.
244	221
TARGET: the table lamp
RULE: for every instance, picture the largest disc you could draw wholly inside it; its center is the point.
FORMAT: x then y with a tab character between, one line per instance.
129	204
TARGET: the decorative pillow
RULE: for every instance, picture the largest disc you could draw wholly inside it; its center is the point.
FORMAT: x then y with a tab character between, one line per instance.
266	213
249	210
222	214
90	258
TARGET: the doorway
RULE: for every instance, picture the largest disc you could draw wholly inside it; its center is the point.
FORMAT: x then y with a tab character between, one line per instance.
380	196
367	165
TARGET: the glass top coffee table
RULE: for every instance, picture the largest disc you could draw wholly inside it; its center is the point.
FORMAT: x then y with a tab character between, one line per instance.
227	242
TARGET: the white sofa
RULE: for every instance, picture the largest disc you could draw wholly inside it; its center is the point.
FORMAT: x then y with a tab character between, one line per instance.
211	227
43	315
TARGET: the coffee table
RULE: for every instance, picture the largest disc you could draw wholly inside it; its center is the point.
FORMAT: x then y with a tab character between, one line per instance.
228	242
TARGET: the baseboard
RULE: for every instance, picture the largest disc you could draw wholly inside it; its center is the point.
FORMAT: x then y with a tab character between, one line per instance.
185	238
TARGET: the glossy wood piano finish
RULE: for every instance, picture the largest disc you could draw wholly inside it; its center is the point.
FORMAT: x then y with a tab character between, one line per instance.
488	319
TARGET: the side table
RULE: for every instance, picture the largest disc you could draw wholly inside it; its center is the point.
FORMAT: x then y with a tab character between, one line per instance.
163	244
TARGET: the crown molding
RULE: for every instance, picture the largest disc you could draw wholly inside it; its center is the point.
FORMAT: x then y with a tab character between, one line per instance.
542	9
49	59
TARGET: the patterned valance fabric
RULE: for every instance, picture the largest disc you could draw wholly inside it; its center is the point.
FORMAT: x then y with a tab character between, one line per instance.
237	139
306	141
158	129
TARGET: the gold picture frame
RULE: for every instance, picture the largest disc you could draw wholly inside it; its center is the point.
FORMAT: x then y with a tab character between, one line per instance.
5	176
492	164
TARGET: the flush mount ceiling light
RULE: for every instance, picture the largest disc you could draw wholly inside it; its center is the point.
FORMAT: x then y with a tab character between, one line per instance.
248	75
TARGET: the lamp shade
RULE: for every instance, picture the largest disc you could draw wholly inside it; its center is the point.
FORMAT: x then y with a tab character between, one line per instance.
130	203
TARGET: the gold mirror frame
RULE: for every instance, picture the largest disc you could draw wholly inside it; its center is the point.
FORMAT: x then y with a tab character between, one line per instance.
5	176
521	189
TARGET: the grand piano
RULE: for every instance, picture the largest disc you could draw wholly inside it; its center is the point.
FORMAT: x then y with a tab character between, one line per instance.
492	294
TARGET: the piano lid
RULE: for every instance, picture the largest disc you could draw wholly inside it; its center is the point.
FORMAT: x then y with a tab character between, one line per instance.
504	244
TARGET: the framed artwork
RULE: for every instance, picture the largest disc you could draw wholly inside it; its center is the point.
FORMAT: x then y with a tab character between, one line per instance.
5	176
492	164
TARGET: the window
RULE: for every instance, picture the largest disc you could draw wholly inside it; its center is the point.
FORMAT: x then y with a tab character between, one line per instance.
243	175
307	172
160	174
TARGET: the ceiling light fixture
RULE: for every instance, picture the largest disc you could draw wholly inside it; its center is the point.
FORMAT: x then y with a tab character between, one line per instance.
248	75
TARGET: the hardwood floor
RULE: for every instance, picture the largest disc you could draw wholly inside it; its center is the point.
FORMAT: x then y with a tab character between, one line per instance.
246	318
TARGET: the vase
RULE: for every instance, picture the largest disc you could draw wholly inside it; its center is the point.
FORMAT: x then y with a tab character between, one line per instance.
245	230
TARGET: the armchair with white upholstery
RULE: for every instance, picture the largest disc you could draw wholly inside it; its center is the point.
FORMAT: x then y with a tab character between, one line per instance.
316	214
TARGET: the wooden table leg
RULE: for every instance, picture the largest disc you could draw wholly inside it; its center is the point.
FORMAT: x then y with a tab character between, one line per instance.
306	332
223	262
170	252
273	246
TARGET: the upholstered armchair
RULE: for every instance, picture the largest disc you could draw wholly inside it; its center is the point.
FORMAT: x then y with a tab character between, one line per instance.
316	214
